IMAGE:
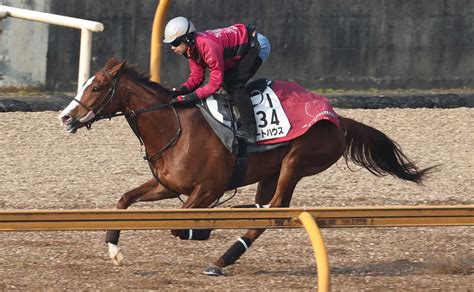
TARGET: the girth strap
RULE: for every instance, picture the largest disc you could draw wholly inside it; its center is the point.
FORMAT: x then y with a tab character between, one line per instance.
240	168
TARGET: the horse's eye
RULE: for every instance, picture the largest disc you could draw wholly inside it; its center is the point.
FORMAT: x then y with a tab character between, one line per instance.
95	89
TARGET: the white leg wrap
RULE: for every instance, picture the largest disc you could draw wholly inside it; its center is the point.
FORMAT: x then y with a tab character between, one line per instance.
115	253
262	206
243	243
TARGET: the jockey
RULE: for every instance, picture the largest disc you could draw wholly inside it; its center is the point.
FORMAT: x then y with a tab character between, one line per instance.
233	54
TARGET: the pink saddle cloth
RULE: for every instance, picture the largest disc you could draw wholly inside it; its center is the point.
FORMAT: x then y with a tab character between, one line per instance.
302	108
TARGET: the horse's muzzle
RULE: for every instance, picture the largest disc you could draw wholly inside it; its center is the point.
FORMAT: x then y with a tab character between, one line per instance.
70	124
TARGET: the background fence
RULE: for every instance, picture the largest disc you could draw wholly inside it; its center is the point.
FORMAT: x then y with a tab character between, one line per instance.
320	43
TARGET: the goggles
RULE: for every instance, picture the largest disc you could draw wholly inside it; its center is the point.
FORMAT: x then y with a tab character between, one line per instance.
177	41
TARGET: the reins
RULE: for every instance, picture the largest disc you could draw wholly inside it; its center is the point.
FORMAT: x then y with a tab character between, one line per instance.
132	117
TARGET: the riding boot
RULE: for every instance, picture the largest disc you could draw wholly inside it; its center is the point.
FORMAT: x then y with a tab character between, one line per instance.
247	130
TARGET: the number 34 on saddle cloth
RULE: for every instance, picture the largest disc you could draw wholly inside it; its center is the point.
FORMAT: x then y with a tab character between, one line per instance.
286	110
283	110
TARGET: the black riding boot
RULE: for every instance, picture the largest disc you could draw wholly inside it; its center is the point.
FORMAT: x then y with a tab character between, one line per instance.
247	130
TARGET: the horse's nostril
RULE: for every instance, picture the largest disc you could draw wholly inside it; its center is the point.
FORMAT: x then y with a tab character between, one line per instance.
66	119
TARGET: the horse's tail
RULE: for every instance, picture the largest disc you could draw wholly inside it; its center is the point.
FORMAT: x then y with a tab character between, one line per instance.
373	150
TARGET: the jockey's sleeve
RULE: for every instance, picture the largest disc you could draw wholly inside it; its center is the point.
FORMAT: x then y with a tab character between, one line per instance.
213	55
196	77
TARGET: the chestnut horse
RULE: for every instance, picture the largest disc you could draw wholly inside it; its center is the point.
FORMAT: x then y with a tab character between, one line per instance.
186	157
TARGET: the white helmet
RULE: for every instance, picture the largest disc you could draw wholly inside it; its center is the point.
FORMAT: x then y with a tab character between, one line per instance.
177	27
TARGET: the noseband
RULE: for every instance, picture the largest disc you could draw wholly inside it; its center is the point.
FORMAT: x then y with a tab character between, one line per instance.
103	102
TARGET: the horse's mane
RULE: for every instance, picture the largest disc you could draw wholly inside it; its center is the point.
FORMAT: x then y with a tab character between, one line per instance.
142	78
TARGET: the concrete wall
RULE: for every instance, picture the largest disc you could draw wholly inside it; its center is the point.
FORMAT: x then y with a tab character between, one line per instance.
23	48
320	43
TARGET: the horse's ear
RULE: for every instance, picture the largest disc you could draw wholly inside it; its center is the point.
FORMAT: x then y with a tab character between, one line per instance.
117	68
110	63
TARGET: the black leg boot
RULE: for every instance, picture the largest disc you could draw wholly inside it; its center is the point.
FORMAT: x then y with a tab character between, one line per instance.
247	130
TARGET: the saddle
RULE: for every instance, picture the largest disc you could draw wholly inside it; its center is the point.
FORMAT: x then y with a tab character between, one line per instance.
283	111
221	114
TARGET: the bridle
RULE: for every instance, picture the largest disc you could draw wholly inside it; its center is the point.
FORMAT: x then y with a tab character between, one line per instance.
131	116
104	101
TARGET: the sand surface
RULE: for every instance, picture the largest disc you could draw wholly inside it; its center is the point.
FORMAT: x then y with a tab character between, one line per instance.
42	167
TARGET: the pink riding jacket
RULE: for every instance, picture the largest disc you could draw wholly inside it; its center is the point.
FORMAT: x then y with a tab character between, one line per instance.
219	50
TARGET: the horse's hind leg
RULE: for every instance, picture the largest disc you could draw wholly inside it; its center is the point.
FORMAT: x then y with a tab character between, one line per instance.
265	190
310	154
149	191
278	191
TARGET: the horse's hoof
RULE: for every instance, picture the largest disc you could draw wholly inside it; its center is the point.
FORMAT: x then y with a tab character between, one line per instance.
115	254
213	271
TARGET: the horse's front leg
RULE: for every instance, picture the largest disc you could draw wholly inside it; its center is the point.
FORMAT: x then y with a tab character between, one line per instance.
198	199
149	191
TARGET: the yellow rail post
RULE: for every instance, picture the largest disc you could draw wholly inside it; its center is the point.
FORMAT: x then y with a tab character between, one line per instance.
156	43
320	253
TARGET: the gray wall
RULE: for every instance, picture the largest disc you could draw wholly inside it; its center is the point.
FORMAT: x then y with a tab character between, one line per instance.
319	43
23	48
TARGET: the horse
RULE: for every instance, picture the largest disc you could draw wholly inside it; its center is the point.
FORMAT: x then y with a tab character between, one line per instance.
186	157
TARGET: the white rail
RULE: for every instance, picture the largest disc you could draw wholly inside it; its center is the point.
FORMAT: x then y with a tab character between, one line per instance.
86	27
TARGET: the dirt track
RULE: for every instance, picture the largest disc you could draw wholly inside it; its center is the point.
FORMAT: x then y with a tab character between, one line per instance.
42	167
